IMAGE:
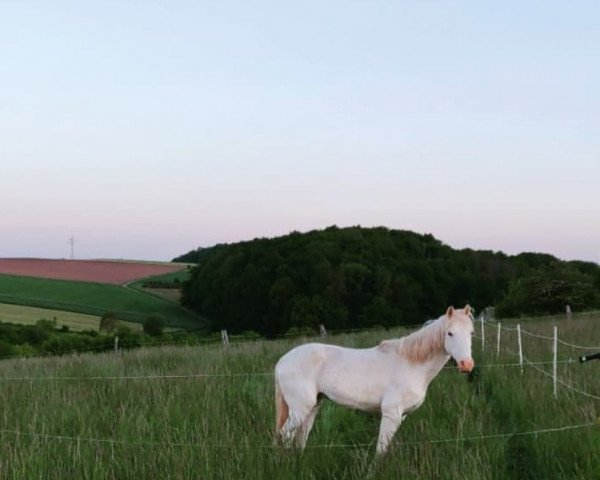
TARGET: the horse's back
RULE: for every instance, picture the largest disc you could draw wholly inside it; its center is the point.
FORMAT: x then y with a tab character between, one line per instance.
304	359
352	377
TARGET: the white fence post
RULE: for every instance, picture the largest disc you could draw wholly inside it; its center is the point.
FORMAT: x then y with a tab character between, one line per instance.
555	359
224	337
568	311
322	330
520	346
498	340
116	344
482	332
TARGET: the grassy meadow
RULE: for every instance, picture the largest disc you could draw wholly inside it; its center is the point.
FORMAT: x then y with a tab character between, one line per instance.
77	322
93	299
221	426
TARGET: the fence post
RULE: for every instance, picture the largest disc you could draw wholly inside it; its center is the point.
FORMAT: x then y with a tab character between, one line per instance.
498	340
568	311
224	337
555	359
322	330
116	344
482	332
520	346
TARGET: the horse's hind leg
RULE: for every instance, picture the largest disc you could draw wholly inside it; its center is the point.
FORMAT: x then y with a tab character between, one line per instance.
292	430
307	426
302	410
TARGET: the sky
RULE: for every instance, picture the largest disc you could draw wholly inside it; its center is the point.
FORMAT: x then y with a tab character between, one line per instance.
149	128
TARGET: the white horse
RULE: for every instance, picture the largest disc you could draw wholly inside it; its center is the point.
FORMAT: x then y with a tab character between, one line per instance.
391	378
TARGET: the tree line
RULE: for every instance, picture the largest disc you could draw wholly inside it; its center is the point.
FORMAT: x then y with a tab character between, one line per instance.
361	277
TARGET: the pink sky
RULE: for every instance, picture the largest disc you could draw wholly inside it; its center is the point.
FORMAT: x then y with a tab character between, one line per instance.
183	125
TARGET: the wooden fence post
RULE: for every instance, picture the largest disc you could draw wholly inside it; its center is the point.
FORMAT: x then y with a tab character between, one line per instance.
555	358
498	340
322	330
482	332
520	346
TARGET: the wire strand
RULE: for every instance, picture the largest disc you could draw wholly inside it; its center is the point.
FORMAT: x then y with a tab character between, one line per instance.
562	382
113	441
582	347
228	375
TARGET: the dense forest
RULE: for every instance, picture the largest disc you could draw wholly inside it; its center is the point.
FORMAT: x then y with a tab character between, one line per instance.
360	277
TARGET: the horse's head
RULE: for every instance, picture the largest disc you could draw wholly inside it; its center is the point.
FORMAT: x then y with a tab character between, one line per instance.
457	337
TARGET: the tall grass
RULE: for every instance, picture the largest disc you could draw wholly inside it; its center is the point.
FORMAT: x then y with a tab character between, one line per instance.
221	427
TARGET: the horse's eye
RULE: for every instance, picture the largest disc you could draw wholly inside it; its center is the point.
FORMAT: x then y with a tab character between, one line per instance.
450	334
473	333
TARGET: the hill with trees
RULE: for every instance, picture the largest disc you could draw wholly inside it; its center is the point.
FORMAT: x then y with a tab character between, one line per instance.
361	277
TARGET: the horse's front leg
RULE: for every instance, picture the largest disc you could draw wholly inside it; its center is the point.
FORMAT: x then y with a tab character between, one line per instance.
391	417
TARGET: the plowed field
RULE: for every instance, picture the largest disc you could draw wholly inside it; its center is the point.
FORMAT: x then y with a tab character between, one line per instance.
99	271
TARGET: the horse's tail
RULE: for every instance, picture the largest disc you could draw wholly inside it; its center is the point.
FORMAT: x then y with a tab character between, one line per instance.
282	410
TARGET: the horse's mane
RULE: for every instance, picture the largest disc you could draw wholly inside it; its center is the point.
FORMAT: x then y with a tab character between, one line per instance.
419	346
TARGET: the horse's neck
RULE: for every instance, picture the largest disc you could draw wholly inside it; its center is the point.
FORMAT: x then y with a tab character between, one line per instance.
434	365
426	348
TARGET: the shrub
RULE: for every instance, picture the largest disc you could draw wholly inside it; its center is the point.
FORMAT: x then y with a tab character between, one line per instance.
35	334
47	324
108	322
6	349
154	325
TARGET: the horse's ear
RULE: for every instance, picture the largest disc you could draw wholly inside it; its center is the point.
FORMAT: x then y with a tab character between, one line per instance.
467	309
449	312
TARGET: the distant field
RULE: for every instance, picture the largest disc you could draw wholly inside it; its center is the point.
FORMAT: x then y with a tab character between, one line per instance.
170	294
93	299
75	321
100	271
180	275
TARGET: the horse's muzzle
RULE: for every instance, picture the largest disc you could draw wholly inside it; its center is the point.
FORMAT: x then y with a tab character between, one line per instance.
466	365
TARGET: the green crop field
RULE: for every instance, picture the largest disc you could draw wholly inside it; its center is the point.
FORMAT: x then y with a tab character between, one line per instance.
171	423
93	299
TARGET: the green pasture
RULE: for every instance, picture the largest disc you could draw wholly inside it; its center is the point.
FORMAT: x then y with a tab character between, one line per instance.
170	424
93	299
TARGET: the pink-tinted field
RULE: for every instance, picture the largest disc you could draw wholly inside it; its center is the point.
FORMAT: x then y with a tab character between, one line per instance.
100	271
